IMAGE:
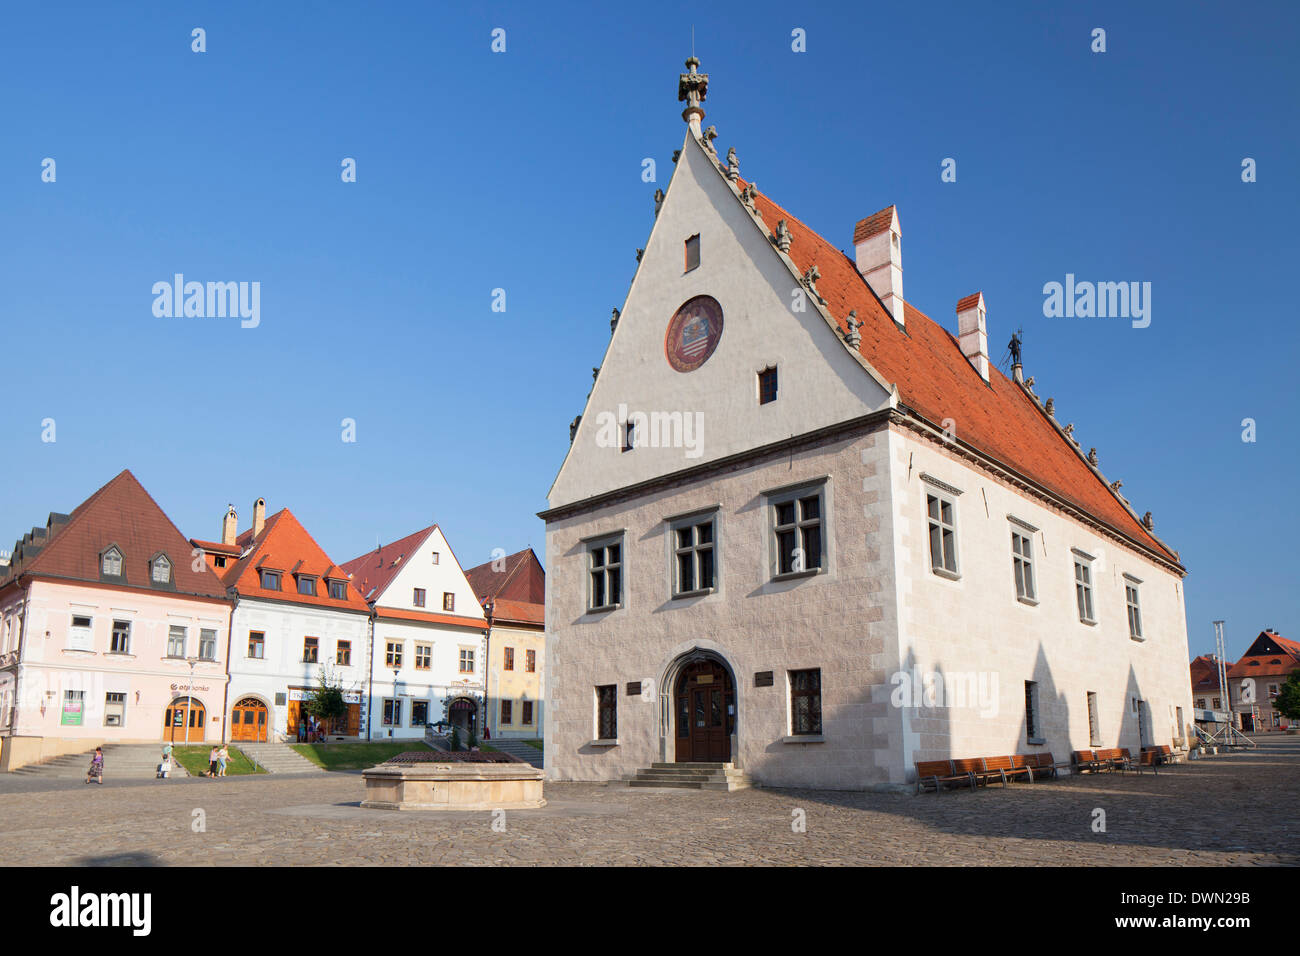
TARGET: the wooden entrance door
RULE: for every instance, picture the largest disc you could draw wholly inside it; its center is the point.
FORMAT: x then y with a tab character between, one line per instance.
705	709
248	721
184	721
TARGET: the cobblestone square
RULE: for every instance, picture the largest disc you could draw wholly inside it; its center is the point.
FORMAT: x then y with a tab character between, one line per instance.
1233	809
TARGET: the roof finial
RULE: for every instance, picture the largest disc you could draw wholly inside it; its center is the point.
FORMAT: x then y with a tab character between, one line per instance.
1017	373
692	88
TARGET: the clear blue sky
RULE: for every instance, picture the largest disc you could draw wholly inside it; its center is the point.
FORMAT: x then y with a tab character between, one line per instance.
522	171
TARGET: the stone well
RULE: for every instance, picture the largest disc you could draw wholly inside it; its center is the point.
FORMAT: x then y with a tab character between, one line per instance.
453	781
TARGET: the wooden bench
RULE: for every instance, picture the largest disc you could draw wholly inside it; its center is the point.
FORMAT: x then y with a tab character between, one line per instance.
1045	764
1008	767
1087	761
975	767
1154	757
1116	758
937	773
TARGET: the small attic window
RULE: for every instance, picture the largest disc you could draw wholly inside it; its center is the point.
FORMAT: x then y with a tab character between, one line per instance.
161	572
111	565
767	385
270	580
693	252
306	585
435	557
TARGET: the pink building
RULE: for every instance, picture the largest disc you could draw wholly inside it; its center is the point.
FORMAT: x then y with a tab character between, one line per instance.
110	632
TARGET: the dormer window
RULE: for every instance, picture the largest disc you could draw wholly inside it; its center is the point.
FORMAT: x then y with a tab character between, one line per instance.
111	565
307	586
339	590
161	570
270	580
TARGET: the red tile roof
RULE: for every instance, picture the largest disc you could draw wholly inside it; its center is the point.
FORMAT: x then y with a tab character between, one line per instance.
937	382
285	546
871	226
505	611
123	514
516	577
969	302
373	571
1269	655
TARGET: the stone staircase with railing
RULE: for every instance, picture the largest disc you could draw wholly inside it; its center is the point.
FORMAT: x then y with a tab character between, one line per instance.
693	776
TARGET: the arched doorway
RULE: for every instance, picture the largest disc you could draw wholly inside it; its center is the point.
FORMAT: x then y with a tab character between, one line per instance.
463	713
249	720
704	712
185	721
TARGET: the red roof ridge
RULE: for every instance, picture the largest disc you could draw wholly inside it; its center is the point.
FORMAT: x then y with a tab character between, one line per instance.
842	272
969	302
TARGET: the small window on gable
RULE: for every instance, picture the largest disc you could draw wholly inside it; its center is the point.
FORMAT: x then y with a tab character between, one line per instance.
629	435
270	580
219	561
435	557
693	252
112	563
162	570
767	385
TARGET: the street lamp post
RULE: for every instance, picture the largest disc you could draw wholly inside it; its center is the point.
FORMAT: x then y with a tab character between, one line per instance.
189	696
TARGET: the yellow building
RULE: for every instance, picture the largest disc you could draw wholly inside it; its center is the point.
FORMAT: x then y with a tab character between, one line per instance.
512	591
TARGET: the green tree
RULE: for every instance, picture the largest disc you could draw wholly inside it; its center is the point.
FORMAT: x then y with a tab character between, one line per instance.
1287	701
327	703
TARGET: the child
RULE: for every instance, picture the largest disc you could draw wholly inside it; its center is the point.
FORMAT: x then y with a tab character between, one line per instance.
96	770
212	762
165	768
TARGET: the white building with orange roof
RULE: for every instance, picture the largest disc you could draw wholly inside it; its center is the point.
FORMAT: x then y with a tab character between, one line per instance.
429	638
297	620
804	530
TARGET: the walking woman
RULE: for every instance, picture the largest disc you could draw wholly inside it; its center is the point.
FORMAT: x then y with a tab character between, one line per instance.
223	757
212	762
96	771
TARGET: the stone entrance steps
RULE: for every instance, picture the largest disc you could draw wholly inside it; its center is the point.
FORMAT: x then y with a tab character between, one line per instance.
693	776
278	758
517	748
121	761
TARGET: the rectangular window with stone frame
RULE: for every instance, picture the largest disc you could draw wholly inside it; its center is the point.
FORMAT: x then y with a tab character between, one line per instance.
798	530
607	712
1022	565
806	702
1083	588
941	518
694	566
507	712
1134	608
605	574
1032	730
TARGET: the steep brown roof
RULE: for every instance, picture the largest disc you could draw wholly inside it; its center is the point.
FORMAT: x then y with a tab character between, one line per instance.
120	514
375	570
936	381
517	577
285	546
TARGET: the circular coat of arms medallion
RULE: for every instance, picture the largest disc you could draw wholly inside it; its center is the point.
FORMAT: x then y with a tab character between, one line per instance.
693	333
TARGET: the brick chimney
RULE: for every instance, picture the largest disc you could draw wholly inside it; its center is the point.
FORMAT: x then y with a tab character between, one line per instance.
877	245
259	516
229	527
972	333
